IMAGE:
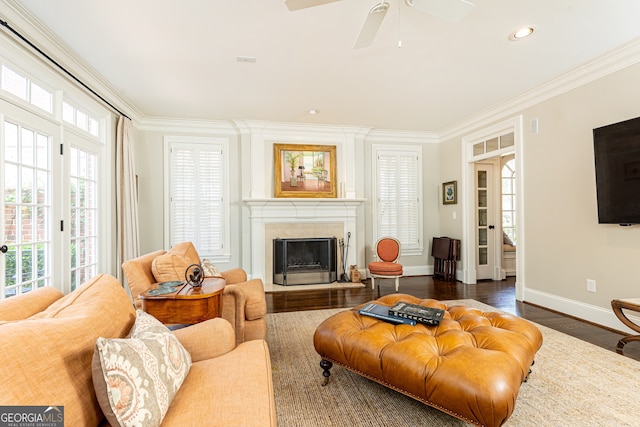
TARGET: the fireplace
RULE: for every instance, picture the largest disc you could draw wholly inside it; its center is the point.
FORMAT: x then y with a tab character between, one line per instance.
304	261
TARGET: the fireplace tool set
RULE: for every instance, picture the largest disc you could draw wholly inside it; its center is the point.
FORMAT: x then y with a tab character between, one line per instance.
344	251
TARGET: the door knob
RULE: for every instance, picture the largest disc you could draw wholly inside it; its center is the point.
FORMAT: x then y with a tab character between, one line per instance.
4	249
491	227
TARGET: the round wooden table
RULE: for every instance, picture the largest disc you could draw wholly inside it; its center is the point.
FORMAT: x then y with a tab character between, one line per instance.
187	304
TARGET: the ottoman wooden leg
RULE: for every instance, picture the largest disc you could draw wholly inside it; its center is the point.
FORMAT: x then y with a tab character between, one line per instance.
326	366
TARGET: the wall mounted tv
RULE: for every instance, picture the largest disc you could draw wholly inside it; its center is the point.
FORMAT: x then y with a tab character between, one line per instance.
617	158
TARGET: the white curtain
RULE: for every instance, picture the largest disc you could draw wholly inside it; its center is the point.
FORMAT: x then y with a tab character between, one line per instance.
126	195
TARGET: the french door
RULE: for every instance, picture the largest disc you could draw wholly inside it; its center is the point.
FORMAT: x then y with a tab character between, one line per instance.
50	197
27	183
485	221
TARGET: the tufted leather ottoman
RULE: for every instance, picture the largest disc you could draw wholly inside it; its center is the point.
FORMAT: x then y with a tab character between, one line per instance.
470	366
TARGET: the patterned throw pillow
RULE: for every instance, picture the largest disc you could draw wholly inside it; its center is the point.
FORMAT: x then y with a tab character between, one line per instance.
136	378
210	270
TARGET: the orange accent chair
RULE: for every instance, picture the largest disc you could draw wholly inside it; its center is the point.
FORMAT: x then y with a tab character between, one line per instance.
387	266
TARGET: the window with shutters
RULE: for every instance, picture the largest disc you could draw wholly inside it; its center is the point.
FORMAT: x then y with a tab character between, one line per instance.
197	205
398	190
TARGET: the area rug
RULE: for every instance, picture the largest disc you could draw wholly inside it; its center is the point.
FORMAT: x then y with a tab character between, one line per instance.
573	383
270	288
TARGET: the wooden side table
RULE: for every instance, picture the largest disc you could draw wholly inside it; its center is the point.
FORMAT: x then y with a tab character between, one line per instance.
187	305
631	304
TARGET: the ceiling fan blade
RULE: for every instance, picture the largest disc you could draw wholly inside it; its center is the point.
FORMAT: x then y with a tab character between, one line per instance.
372	24
303	4
447	10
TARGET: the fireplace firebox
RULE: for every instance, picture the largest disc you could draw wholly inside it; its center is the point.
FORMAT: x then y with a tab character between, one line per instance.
304	261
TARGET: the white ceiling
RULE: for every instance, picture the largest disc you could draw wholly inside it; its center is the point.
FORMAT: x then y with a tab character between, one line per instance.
177	59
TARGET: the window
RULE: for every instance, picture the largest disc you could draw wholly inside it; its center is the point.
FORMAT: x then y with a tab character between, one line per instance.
509	199
25	89
80	119
52	183
197	200
398	189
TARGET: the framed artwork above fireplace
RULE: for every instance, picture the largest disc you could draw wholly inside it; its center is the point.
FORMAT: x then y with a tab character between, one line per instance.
304	170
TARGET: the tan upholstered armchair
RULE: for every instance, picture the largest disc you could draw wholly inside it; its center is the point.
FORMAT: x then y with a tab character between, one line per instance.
243	301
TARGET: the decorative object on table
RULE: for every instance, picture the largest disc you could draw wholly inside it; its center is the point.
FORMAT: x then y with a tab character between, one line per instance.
316	166
194	275
426	315
450	193
382	312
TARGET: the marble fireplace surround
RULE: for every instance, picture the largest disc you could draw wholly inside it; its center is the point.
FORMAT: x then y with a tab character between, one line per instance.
298	218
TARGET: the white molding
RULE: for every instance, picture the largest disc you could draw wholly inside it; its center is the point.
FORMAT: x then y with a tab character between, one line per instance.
590	313
295	210
157	124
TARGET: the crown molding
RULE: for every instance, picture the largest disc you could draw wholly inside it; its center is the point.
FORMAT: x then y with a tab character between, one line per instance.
615	60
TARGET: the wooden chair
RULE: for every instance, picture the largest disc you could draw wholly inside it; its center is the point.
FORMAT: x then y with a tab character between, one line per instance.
386	267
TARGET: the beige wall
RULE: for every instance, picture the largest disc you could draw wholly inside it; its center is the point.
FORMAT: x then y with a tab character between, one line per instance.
564	244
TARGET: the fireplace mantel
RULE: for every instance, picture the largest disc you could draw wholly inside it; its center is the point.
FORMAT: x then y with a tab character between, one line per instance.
297	211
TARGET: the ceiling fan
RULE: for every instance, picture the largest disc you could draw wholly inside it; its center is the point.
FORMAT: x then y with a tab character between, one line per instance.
448	10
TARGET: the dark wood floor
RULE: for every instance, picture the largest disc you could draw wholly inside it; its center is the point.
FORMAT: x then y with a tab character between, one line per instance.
499	294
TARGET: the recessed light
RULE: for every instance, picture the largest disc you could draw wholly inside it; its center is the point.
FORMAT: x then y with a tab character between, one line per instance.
522	33
313	112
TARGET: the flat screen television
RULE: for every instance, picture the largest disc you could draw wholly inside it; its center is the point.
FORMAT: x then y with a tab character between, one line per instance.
617	159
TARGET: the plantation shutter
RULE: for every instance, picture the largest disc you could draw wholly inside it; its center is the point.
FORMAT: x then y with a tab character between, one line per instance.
196	190
398	196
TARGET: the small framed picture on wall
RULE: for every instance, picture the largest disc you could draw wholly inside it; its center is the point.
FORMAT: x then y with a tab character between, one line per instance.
449	193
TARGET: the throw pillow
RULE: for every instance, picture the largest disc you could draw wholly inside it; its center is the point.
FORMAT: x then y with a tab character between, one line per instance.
173	264
136	378
210	270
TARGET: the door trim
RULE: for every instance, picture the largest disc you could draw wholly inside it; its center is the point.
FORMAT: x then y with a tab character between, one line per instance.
468	243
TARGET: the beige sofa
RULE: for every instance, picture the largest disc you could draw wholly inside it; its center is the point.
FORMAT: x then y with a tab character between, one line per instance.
243	301
48	342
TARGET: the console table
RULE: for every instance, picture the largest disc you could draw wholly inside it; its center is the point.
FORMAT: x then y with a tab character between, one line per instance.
188	304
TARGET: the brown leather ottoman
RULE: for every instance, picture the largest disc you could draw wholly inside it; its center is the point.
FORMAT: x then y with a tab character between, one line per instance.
470	366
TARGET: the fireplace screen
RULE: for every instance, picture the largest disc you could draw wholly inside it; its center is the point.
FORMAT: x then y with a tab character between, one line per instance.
304	261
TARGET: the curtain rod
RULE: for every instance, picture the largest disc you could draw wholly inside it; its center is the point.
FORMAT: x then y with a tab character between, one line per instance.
67	72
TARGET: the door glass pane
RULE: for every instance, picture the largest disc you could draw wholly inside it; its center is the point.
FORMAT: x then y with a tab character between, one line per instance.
482	217
83	214
482	179
482	236
482	198
478	148
482	256
507	140
27	200
492	145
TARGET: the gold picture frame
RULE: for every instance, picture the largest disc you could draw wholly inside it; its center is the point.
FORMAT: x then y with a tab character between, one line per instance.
304	170
450	193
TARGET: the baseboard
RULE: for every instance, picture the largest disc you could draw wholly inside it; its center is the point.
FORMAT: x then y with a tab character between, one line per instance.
590	313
